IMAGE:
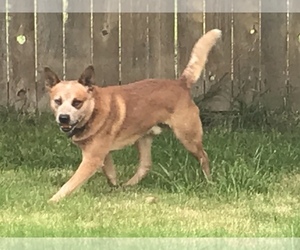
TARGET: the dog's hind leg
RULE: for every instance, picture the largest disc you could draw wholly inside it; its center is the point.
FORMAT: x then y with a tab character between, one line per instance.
188	129
109	170
145	161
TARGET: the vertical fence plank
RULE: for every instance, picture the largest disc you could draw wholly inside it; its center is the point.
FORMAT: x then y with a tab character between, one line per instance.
274	55
294	54
161	42
218	68
190	29
134	54
22	86
106	44
246	61
78	38
3	61
49	52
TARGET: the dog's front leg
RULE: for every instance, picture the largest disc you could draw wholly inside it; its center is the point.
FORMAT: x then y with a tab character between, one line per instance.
89	165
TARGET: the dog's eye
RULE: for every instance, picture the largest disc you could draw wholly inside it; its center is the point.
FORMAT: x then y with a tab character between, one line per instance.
77	103
58	101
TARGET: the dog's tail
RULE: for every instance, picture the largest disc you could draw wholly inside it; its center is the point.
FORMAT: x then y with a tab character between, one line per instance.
199	56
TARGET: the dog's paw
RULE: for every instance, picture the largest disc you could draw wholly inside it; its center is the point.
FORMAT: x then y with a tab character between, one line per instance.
53	200
118	187
210	181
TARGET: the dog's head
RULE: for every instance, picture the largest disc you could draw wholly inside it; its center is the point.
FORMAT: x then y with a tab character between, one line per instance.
71	101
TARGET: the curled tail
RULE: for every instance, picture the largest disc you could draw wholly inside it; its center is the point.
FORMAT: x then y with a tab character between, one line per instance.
199	56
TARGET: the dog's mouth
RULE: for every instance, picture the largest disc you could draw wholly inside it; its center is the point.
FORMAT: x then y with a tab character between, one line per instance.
67	128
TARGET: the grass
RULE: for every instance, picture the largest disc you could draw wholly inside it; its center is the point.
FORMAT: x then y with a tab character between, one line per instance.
255	192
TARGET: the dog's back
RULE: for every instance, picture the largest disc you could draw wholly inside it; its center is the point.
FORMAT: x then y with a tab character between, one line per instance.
146	103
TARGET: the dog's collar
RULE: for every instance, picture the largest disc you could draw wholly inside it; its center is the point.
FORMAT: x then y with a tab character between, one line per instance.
76	131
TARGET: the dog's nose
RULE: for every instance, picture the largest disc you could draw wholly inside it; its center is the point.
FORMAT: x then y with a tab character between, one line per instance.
65	119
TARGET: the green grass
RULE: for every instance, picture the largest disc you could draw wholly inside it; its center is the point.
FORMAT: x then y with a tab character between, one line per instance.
255	189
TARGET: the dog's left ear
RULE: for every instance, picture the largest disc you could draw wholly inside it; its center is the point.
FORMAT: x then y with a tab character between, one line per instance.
87	78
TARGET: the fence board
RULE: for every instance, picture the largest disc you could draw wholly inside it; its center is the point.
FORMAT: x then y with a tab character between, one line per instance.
3	61
134	53
294	55
246	55
22	86
78	39
106	46
190	29
161	43
274	56
218	84
49	51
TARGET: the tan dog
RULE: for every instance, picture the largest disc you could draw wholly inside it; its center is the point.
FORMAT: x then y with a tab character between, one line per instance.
100	120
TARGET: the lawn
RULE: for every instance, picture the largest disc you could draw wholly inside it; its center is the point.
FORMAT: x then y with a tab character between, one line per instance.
255	189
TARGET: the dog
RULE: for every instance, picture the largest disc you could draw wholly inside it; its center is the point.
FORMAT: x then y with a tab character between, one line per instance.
101	120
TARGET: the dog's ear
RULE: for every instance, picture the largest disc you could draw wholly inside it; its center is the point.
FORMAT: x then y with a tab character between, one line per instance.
51	79
87	78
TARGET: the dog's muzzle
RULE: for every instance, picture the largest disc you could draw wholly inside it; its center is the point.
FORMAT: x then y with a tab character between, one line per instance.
65	123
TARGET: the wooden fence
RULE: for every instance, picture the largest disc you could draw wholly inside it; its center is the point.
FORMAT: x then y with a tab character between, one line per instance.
258	58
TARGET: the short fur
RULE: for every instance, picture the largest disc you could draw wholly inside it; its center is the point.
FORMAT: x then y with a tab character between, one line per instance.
100	120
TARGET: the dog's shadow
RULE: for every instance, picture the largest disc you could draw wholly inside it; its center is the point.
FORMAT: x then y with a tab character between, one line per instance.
96	186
